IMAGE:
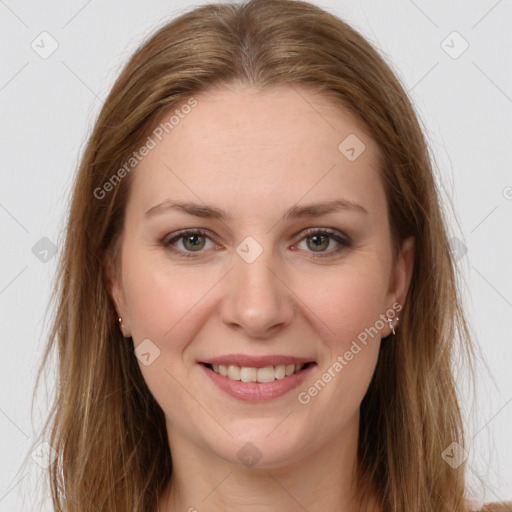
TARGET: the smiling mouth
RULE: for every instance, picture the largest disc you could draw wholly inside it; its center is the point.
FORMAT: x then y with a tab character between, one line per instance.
260	375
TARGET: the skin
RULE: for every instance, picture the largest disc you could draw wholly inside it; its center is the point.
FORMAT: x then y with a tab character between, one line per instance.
255	154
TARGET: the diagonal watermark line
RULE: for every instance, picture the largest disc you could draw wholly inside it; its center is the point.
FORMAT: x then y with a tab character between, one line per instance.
332	332
494	416
312	107
486	14
13	217
168	168
76	14
282	421
13	279
198	301
81	80
13	13
14	76
476	270
423	77
198	402
491	80
482	221
217	486
424	14
306	193
13	487
286	491
486	487
14	423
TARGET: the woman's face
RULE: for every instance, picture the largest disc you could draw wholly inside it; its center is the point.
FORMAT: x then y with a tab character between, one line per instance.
287	260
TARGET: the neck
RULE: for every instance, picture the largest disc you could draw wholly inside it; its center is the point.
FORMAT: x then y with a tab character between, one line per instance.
323	480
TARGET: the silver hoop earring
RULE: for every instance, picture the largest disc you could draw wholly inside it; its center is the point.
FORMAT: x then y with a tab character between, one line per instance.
390	323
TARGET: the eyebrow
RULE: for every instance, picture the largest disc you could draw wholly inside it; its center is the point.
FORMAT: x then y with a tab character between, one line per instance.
205	211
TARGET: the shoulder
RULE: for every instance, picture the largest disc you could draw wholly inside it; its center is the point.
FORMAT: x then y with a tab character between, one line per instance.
497	507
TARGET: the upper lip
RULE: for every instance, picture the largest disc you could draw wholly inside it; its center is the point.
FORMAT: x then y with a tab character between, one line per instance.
256	361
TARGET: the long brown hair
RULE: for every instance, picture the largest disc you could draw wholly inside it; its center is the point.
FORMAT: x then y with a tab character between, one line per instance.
105	426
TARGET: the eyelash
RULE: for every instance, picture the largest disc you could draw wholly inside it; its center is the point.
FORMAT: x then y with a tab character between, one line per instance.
343	241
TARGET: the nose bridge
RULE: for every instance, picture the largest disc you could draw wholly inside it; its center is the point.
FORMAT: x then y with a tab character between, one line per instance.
255	299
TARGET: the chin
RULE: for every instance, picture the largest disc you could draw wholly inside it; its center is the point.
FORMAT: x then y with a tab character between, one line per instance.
259	444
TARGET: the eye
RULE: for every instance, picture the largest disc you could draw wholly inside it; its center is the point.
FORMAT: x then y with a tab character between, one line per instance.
324	242
191	241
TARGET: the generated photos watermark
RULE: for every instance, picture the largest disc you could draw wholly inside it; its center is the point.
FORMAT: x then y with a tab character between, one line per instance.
151	142
342	360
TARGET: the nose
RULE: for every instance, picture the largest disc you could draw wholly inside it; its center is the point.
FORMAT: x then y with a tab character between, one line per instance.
257	300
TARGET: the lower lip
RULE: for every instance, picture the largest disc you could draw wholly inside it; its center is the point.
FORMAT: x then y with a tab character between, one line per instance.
255	391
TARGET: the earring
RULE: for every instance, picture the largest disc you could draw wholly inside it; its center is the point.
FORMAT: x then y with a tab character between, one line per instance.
390	322
121	325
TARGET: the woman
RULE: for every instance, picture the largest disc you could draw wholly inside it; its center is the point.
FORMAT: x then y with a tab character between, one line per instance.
256	302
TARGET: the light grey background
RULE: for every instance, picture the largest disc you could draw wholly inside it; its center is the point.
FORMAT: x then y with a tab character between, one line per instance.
48	106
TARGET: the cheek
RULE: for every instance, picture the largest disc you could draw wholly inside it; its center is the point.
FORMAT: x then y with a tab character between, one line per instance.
162	298
347	301
164	305
348	305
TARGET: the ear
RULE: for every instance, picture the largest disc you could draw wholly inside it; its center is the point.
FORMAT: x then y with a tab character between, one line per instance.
116	292
402	272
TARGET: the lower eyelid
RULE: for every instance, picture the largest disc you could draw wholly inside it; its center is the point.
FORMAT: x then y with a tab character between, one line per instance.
342	245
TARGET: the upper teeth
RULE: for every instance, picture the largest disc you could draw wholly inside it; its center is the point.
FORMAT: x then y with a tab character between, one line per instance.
267	374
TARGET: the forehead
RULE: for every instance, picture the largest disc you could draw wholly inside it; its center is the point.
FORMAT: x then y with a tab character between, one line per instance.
244	147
